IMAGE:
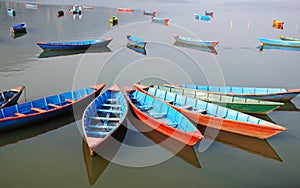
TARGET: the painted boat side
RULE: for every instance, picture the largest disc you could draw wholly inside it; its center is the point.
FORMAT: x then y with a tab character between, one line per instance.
189	138
149	13
164	21
271	94
241	104
274	42
73	45
22	115
18	28
217	117
202	17
195	42
289	38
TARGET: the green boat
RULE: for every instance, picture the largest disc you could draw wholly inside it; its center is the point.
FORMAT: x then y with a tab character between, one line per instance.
250	106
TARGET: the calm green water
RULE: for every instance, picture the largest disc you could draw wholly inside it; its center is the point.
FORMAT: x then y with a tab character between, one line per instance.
52	154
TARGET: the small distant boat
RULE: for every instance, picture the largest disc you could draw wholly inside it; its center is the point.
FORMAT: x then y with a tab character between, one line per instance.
164	21
162	117
209	49
274	42
46	108
215	116
202	17
11	12
113	20
149	13
135	41
195	42
60	13
245	105
138	50
15	35
270	94
10	97
32	6
125	10
88	7
103	117
18	28
74	45
289	38
77	9
209	13
278	24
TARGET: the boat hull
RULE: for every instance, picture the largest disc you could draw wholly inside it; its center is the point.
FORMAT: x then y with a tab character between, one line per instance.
14	99
272	42
73	46
195	42
17	121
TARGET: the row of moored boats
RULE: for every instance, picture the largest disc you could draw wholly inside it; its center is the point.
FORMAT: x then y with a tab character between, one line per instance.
165	108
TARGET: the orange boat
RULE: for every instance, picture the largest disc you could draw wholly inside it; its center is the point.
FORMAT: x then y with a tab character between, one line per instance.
215	116
161	117
125	10
278	24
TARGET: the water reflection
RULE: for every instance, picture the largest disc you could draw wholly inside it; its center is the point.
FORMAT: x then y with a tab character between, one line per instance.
17	135
138	50
201	48
15	35
269	47
55	53
245	143
288	106
184	152
95	166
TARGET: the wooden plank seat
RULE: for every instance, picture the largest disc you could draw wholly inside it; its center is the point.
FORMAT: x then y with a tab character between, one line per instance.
187	107
145	107
173	124
101	126
19	114
112	105
110	111
201	111
54	105
106	118
70	100
97	133
158	115
38	110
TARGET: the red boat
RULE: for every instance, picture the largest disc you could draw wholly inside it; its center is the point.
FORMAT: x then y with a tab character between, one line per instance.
162	117
215	116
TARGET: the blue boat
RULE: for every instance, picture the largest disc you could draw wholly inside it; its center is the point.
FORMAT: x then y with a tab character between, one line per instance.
271	94
202	17
273	42
103	117
46	108
149	13
74	45
10	97
135	42
289	38
11	12
18	28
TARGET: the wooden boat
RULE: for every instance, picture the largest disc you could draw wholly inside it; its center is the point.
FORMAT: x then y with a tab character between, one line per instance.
15	35
103	117
210	49
164	21
202	17
215	116
11	12
289	38
32	6
270	94
88	7
125	10
209	13
136	42
149	13
60	13
182	151
10	97
273	42
162	117
46	108
18	28
113	20
137	49
74	45
76	9
195	42
250	106
277	22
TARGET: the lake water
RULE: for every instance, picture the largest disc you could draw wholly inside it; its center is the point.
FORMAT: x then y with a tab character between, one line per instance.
53	154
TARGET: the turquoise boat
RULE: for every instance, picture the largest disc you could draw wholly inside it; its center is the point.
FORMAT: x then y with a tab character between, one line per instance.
250	106
274	42
103	117
202	17
136	42
289	38
271	94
